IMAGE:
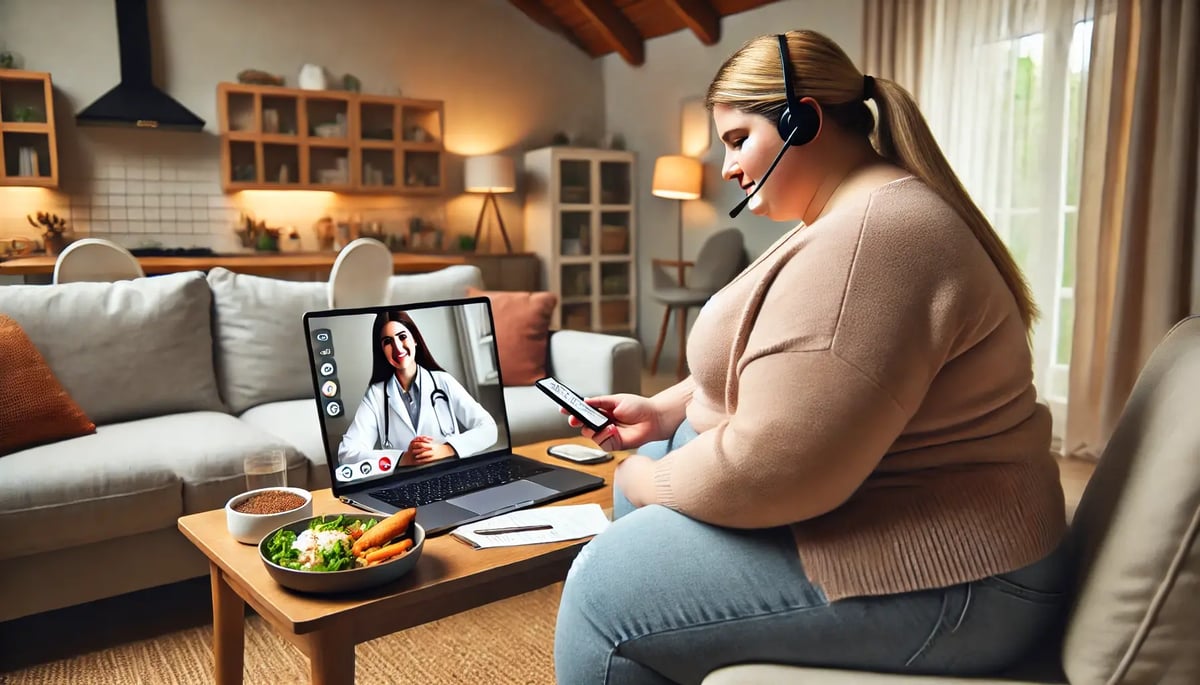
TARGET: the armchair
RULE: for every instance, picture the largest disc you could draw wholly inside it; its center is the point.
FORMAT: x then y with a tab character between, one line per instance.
721	257
1135	607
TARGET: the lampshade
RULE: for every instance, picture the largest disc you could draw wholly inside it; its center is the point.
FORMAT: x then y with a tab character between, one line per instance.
677	177
489	174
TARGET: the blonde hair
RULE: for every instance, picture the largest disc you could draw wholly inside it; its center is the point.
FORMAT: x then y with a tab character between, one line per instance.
751	81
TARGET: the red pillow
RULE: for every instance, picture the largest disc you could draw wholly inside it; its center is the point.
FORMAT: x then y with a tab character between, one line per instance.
522	332
36	409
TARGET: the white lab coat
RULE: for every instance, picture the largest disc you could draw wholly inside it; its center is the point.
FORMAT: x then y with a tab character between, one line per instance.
362	439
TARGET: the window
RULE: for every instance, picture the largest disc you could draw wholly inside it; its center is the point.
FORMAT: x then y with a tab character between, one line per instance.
1014	134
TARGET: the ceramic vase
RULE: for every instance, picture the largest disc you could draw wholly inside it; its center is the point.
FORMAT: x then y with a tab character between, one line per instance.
312	77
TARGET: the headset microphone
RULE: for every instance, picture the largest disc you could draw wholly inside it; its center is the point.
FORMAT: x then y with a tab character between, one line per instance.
798	124
758	186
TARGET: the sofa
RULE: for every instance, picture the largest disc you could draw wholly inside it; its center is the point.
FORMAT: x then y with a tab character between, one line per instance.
183	375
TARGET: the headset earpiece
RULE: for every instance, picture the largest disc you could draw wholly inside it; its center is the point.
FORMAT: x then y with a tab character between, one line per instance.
800	122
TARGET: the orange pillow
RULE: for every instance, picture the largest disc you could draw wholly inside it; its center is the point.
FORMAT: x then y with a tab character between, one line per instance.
36	408
522	332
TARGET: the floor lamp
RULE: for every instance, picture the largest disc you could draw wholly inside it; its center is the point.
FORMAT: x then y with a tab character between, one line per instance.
490	174
677	177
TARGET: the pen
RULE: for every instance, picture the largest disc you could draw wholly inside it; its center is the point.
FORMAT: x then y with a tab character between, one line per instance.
514	529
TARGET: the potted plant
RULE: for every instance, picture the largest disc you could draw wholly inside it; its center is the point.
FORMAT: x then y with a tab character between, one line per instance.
54	229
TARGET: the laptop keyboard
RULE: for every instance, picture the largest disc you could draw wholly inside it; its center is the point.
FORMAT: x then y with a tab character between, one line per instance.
458	483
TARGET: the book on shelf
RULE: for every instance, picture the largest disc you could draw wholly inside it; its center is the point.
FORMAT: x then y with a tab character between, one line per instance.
27	162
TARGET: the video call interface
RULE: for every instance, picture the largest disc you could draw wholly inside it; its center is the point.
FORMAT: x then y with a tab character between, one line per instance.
369	427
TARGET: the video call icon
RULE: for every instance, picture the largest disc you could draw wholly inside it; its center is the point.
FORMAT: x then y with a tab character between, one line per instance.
365	467
329	388
327	368
322	335
333	408
346	472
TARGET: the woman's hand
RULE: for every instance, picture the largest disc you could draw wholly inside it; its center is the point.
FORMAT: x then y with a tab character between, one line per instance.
636	421
635	479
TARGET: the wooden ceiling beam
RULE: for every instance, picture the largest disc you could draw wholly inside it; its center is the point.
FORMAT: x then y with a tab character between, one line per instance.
616	29
537	11
700	17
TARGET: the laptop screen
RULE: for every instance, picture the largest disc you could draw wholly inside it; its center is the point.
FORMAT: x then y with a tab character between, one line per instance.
404	388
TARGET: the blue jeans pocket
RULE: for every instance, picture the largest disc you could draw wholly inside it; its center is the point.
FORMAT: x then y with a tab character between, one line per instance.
956	601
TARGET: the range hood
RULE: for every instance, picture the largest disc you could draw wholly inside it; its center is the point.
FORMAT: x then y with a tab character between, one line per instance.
135	101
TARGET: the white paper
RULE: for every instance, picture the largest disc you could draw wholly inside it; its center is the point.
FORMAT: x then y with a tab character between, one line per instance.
569	523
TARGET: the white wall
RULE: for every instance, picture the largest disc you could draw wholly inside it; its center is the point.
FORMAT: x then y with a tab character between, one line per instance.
508	85
642	104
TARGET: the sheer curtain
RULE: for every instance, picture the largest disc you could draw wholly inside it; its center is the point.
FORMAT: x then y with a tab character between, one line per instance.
1003	84
1139	269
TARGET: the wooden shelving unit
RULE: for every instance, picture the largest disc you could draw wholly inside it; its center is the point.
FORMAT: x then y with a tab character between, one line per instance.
579	219
28	147
276	138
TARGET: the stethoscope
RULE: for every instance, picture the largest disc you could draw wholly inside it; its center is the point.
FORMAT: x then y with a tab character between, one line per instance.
437	394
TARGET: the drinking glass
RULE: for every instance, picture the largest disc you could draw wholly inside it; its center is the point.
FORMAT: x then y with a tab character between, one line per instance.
266	469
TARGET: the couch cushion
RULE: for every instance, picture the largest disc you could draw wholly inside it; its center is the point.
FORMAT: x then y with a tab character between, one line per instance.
259	323
128	478
1136	617
86	489
35	409
150	338
211	449
443	284
295	422
522	332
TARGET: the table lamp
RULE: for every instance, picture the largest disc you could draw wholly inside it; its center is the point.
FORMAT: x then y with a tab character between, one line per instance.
677	177
490	174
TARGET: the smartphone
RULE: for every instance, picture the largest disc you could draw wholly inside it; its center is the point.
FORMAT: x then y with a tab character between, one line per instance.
571	401
580	454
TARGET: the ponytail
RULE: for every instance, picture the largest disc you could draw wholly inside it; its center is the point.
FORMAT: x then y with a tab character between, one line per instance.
751	81
903	138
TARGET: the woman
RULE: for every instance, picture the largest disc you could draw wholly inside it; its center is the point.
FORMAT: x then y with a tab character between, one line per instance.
858	459
412	404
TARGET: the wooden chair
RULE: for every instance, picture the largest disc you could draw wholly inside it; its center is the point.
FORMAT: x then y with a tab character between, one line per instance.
360	275
721	257
96	260
1135	605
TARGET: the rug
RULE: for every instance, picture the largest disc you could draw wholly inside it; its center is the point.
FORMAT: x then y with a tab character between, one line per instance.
509	641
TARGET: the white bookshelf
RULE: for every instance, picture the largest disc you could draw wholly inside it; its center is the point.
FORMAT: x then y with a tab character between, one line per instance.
580	221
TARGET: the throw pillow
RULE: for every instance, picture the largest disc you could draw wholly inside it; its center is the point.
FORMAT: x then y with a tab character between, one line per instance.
37	409
522	332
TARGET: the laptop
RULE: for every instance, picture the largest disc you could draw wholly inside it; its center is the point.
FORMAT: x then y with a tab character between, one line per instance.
411	405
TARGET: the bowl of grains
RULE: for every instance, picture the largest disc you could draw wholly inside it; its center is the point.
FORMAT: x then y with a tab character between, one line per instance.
251	515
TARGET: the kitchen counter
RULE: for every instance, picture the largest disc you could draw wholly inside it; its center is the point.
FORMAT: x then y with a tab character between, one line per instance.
257	263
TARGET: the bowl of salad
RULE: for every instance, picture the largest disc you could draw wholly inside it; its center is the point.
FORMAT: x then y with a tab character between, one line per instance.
343	552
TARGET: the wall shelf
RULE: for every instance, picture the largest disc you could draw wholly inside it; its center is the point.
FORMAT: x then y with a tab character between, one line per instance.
291	139
28	145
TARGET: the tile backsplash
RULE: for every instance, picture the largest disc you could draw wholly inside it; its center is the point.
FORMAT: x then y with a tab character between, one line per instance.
173	198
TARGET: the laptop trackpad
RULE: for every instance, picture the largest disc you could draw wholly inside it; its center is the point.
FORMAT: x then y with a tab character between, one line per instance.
491	499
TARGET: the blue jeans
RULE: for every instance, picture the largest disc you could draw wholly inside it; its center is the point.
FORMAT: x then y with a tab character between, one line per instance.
662	598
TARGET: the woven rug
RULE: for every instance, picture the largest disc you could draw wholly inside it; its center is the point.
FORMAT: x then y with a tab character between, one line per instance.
510	641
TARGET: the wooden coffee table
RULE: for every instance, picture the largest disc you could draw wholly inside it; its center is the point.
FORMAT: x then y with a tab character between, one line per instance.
449	578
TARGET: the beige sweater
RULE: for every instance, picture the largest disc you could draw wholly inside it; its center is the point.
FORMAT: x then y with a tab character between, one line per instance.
868	381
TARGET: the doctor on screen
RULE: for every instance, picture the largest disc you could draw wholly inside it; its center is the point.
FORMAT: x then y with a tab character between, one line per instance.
413	405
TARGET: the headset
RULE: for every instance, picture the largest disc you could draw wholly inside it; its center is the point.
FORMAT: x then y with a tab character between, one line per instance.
798	124
437	394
